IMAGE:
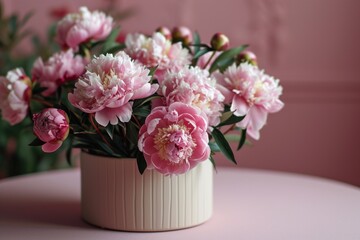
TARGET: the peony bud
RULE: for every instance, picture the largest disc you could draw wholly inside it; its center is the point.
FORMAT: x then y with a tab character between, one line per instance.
182	34
220	42
52	127
164	31
247	56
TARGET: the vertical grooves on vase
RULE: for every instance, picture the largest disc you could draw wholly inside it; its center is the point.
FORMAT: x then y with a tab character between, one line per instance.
134	195
191	190
201	203
123	193
116	196
153	200
184	193
107	193
162	201
115	203
143	202
179	194
173	209
101	183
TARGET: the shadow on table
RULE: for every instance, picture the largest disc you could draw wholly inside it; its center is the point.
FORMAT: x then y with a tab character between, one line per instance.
51	211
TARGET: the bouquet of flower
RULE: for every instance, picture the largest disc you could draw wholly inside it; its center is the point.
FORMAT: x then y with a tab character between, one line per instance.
163	99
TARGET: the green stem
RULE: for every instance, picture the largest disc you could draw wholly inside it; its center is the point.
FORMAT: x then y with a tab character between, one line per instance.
98	131
42	101
211	57
229	129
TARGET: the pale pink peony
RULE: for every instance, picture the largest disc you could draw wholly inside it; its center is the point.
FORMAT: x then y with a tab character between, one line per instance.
108	85
195	87
250	92
57	70
157	51
174	139
15	93
51	126
77	28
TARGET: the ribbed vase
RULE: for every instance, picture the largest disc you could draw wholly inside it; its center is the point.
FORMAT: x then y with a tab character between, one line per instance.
115	195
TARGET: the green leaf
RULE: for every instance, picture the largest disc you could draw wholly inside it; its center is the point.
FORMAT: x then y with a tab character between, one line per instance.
68	151
51	33
132	131
13	25
214	147
197	42
36	142
114	34
231	120
26	18
223	145
201	52
119	145
140	102
114	48
223	58
111	39
110	130
141	162
152	70
141	112
242	139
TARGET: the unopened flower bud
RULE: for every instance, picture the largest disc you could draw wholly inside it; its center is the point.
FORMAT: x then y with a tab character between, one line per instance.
182	34
220	42
164	31
52	127
247	56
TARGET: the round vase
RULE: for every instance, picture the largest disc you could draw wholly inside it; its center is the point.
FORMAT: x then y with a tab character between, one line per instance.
114	195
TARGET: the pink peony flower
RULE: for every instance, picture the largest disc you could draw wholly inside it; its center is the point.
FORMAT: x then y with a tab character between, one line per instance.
174	139
195	87
108	85
76	28
51	126
15	93
157	51
57	70
250	92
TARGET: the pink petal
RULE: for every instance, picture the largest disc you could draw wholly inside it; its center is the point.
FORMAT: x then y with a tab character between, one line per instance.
239	106
113	115
149	146
255	134
51	147
76	36
258	117
151	126
276	106
145	91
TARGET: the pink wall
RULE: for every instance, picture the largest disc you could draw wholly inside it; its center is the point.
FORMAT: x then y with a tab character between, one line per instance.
311	45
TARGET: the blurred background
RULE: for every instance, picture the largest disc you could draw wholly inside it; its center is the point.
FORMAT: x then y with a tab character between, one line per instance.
312	46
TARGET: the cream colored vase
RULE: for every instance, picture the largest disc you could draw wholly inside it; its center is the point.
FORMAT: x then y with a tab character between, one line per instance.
115	195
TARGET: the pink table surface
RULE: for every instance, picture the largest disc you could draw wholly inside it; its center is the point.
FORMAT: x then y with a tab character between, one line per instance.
249	204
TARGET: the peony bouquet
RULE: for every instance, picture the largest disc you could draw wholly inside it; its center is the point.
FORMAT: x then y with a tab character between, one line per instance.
166	99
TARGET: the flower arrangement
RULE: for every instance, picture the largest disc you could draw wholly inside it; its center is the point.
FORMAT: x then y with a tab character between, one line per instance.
163	99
